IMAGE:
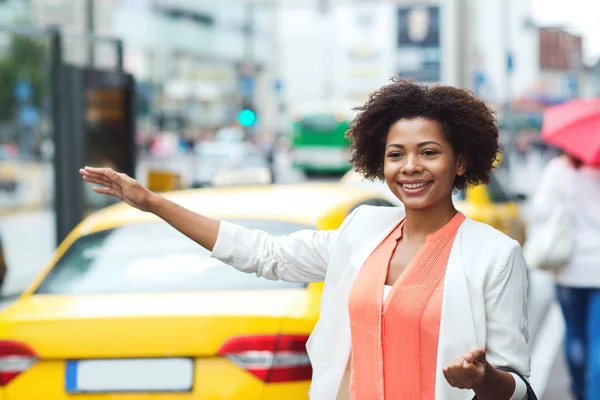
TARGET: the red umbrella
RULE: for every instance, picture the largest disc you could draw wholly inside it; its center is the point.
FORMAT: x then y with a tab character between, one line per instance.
575	128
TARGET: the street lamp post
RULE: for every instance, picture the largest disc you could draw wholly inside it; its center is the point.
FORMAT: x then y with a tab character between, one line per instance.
90	28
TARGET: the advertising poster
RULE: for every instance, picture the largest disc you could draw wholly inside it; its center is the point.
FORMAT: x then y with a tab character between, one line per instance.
418	54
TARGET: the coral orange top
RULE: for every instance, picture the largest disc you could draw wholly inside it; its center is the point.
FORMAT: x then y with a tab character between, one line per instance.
394	342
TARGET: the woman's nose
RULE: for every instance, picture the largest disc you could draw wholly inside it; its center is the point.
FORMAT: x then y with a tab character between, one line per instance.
411	165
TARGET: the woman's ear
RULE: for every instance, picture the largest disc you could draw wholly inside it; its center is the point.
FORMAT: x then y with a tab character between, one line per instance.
461	166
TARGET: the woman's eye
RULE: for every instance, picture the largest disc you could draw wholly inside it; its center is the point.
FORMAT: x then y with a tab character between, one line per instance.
394	155
429	153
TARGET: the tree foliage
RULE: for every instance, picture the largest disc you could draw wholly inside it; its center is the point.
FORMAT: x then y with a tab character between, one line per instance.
25	59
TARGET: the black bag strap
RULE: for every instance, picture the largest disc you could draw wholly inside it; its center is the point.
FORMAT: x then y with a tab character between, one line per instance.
530	393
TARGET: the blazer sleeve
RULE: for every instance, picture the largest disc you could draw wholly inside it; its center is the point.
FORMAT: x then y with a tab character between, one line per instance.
302	256
506	310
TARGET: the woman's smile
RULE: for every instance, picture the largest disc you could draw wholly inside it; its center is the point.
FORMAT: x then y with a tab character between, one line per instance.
415	187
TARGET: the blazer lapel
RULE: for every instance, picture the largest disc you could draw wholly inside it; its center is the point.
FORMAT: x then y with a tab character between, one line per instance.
457	328
333	328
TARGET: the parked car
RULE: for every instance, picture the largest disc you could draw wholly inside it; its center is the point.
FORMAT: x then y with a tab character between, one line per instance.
230	164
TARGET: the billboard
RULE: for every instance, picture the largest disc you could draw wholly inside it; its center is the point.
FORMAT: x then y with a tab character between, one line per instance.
418	52
364	52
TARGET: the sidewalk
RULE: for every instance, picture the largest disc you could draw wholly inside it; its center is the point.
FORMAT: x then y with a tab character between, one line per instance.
558	385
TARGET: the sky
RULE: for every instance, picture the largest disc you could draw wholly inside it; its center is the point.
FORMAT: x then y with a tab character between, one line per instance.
580	16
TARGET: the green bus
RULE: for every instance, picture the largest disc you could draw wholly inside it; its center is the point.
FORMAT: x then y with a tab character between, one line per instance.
318	143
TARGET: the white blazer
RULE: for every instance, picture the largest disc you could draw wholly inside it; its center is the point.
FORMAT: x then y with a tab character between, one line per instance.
484	301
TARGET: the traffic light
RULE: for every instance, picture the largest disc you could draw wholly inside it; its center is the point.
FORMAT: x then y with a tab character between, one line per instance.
247	117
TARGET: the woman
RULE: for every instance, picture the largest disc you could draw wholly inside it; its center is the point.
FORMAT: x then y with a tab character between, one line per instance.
578	283
456	289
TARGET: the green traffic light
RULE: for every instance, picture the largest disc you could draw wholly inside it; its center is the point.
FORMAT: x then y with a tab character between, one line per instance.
246	117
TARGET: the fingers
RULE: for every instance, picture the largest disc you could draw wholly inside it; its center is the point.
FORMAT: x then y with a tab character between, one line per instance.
96	181
113	175
85	173
106	177
456	375
478	355
469	369
102	176
106	191
92	170
107	172
464	374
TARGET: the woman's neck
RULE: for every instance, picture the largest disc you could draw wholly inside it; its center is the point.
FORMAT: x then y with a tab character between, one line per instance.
421	223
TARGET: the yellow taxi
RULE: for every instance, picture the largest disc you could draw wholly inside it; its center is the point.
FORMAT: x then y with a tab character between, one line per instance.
128	308
485	203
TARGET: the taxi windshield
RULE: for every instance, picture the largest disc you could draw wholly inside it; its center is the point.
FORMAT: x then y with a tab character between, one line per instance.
152	257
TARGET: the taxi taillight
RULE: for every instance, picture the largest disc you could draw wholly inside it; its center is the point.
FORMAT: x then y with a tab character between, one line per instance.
271	358
15	358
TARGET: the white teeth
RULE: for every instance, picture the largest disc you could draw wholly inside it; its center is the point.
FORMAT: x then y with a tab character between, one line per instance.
414	185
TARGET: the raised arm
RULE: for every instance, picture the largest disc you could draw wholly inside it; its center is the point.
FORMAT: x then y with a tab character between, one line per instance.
299	257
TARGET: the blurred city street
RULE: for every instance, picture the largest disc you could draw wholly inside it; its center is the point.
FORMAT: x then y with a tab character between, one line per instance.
250	111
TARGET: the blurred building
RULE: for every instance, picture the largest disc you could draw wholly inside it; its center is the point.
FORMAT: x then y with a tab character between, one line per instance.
562	72
560	75
202	52
502	49
195	57
14	11
341	51
71	17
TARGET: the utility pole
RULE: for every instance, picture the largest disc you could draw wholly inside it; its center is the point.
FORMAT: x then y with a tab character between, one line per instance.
462	58
248	71
328	34
508	66
249	30
90	30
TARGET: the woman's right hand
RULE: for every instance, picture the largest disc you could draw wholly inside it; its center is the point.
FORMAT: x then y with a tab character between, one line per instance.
118	185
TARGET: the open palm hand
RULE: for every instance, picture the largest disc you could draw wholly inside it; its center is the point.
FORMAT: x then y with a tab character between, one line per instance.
118	185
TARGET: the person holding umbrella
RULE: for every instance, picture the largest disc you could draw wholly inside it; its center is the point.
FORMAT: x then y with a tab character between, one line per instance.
565	216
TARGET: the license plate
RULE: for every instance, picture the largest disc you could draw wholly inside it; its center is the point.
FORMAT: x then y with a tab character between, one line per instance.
130	375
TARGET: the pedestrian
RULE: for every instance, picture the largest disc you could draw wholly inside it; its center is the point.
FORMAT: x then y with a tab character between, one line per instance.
568	184
419	302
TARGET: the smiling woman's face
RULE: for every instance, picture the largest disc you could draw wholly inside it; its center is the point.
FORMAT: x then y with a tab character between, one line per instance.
419	163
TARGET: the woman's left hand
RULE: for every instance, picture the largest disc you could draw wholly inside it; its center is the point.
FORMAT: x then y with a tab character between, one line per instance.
468	371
